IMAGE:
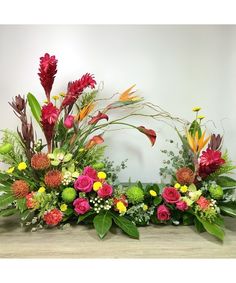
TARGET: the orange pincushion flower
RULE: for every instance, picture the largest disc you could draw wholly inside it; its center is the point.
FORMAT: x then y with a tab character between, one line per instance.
40	161
185	176
53	179
20	189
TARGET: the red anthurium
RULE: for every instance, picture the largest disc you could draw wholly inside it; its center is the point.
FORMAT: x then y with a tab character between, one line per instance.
97	118
94	141
151	134
75	89
47	72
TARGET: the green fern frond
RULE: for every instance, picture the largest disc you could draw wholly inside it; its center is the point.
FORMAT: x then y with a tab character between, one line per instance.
87	98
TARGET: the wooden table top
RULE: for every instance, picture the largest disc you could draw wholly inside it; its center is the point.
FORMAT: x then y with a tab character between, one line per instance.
82	242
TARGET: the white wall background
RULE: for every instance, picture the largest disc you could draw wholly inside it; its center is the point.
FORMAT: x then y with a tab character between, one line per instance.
176	67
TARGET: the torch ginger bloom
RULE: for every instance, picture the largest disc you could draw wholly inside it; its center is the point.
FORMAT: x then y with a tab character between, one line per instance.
47	72
75	89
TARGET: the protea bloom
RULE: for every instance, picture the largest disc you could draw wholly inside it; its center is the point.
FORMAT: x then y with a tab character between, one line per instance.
215	142
185	176
47	72
210	161
75	89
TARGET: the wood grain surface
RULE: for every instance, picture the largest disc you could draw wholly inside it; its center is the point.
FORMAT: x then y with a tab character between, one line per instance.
82	242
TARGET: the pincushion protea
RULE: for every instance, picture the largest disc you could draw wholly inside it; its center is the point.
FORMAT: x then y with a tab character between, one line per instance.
47	72
210	161
20	189
40	161
185	176
53	179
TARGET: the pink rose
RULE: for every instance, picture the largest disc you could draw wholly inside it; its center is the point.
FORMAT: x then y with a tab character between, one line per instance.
81	205
163	213
89	171
171	195
181	205
84	184
69	121
105	191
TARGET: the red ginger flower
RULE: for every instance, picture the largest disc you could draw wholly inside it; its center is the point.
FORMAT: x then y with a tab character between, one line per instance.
210	161
75	89
49	118
47	72
53	217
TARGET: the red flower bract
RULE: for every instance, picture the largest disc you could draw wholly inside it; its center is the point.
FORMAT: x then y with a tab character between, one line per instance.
49	118
53	217
75	89
210	161
97	118
47	72
151	134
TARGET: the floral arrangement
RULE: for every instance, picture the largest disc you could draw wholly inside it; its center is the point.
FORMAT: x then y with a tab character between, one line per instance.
67	179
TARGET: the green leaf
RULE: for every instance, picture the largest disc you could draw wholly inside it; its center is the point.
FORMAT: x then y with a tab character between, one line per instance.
8	212
84	216
229	209
199	226
21	204
5	200
157	200
187	219
225	181
212	228
140	185
34	106
195	127
126	225
102	224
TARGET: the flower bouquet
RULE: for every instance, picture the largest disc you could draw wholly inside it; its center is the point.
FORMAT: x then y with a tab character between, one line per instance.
199	190
66	179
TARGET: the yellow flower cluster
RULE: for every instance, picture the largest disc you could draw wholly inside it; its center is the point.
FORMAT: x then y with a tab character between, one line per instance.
183	189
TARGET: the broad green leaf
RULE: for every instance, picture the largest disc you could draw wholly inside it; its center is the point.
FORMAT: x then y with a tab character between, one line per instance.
102	224
229	209
225	181
5	200
35	107
212	228
8	212
84	216
188	219
126	225
199	226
